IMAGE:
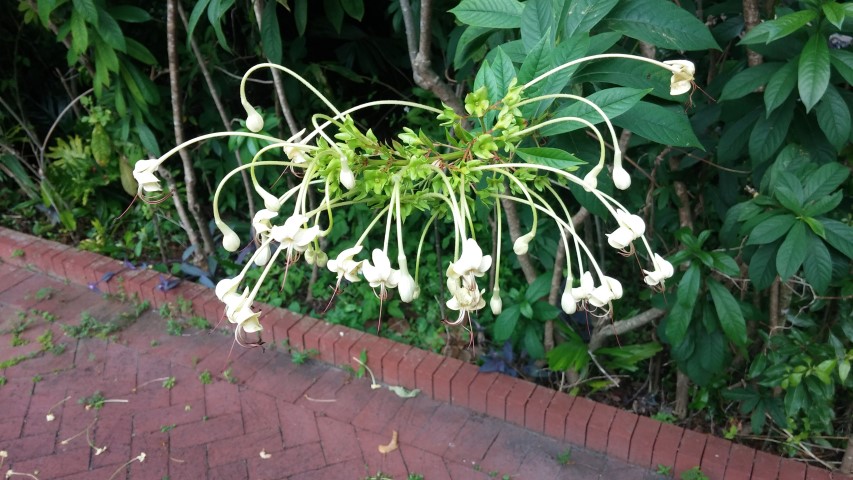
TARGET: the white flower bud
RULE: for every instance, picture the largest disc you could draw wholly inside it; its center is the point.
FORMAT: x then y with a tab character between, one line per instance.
590	180
567	301
522	244
347	177
230	240
496	304
254	122
263	255
621	178
270	201
620	238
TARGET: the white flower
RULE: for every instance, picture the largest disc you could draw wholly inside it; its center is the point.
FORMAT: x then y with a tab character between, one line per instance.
254	122
227	286
230	240
522	244
496	304
380	274
682	76
347	178
466	297
590	180
621	178
406	285
143	172
263	255
600	296
567	301
471	261
582	293
261	221
615	287
620	238
246	319
345	266
663	270
291	235
634	223
270	201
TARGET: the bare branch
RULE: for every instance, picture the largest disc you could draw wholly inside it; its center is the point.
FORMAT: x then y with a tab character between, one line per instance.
622	326
276	78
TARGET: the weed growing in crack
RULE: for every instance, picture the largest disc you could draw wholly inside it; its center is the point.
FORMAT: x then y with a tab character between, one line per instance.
205	377
565	458
90	327
169	383
299	358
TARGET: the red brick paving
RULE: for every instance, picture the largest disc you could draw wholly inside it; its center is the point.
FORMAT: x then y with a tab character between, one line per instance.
311	421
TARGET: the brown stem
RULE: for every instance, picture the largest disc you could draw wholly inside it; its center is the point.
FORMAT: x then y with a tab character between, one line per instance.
599	335
751	18
183	216
847	461
276	78
514	226
189	174
217	101
774	307
419	56
682	394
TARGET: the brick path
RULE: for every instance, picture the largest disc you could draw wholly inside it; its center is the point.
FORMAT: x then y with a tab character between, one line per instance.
314	421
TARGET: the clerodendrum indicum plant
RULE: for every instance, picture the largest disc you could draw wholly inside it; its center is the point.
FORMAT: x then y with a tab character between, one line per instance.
476	161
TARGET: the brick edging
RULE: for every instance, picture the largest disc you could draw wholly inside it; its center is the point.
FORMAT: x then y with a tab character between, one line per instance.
618	433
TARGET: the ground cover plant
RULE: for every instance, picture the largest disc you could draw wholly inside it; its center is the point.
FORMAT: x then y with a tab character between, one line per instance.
741	182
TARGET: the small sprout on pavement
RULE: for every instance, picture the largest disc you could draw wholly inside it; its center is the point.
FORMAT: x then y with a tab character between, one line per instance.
299	358
205	377
166	428
169	383
565	458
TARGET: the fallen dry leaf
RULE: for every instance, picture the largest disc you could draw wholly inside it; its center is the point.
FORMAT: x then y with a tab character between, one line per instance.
383	449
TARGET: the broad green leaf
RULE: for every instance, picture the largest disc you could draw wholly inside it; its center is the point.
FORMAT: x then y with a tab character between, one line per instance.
769	133
300	16
147	138
817	227
501	74
818	265
571	354
762	265
725	264
679	317
612	101
88	10
795	399
45	8
128	13
834	13
489	13
569	50
270	33
505	323
140	52
824	181
813	72
728	312
771	229
780	85
748	80
839	235
793	251
733	140
843	370
196	14
626	73
538	61
105	56
470	42
353	8
149	91
585	14
526	310
109	30
659	124
833	116
781	27
551	157
822	205
543	311
662	24
842	60
789	191
532	342
537	22
79	33
539	288
334	13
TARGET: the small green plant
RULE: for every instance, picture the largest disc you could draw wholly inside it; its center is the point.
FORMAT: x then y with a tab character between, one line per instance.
301	357
174	327
169	383
17	341
229	376
47	316
664	417
664	470
565	458
37	379
166	428
44	293
205	377
19	328
185	307
199	323
16	253
693	474
731	432
155	343
96	401
3	380
361	366
415	476
90	327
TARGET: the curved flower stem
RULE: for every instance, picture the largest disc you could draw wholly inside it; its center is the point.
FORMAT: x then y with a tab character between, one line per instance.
371	225
287	71
391	203
236	171
598	57
208	136
421	244
266	148
574	235
498	249
460	227
571	119
519	184
266	270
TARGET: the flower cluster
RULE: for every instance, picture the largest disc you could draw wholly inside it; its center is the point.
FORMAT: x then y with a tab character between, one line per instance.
438	180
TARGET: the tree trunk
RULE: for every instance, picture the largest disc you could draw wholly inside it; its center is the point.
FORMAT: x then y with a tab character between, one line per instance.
751	18
847	461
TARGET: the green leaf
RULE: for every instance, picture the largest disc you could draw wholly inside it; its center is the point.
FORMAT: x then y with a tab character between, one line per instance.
771	229
659	124
793	251
505	323
543	311
818	265
679	317
749	80
45	8
569	50
499	76
781	27
728	312
762	265
824	181
780	85
215	12
270	33
489	13
585	14
816	226
147	138
843	370
813	73
769	133
470	42
88	10
353	8
795	399
821	206
140	52
725	264
109	30
571	354
840	236
539	288
532	342
789	192
834	13
196	14
662	24
538	61
733	140
79	33
537	22
842	60
552	157
129	14
526	310
300	16
613	101
833	116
